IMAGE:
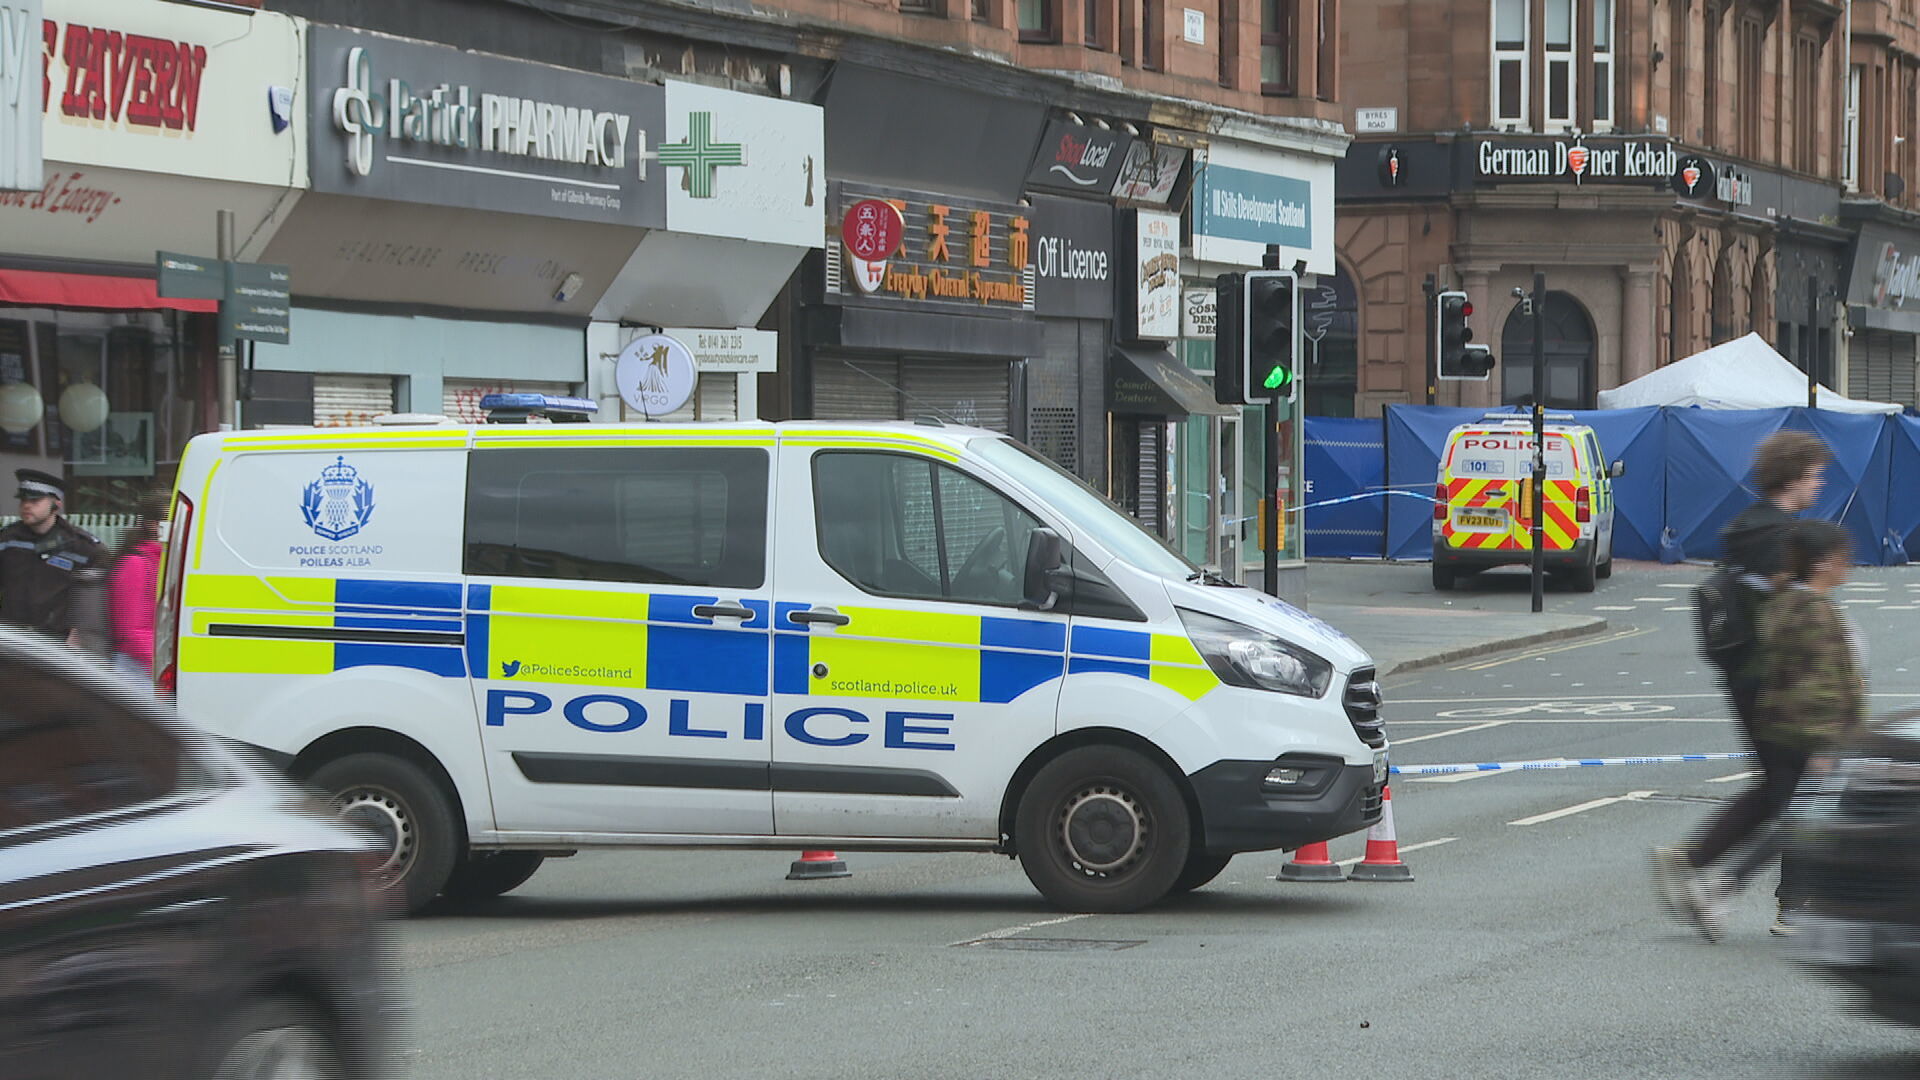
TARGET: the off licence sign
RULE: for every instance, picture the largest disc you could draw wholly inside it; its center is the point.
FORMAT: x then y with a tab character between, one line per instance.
872	229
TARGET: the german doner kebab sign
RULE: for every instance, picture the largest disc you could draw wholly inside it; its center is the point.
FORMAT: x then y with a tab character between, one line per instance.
1625	161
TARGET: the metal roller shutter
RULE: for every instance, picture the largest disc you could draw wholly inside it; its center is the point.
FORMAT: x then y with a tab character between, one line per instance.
847	389
1152	480
1901	385
715	397
351	400
460	398
972	392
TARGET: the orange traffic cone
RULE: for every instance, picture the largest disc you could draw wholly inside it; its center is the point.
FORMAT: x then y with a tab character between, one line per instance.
1311	863
1383	851
817	864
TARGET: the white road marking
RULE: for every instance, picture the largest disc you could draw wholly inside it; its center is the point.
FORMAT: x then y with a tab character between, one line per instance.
1681	607
1444	734
1864	588
1404	848
1652	599
1862	600
1676	584
1614	607
995	935
1900	607
1731	777
1591	804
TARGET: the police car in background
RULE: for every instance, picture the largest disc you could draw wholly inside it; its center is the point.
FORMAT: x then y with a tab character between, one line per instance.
1483	500
494	644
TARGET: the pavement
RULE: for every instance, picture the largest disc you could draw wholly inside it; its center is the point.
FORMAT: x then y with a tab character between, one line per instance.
1394	612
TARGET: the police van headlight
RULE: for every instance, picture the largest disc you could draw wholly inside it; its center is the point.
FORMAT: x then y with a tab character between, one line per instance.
1255	659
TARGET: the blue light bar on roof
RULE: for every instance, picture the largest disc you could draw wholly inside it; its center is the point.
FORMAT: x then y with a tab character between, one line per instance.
516	408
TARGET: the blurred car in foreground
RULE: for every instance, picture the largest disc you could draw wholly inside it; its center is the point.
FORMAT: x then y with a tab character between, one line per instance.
1856	826
167	909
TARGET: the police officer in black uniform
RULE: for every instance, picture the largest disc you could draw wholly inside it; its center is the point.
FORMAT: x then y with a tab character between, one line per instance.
45	562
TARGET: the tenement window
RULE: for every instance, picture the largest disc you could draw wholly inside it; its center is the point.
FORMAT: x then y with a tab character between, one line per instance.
1509	62
1276	46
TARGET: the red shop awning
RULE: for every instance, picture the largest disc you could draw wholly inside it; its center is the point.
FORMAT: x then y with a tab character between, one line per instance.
40	288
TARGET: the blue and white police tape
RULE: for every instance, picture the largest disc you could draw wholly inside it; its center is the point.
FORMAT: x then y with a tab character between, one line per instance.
1344	499
1557	763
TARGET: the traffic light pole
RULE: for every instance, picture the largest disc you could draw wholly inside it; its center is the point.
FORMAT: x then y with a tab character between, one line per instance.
1270	538
1539	439
1270	532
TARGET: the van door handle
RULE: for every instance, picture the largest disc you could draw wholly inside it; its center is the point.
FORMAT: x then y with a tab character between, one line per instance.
721	611
819	615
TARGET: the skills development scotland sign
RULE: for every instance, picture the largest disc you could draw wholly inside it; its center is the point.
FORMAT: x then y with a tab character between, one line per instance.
1244	201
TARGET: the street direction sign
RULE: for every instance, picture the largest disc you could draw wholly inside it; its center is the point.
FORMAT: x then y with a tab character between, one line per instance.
190	277
258	303
255	298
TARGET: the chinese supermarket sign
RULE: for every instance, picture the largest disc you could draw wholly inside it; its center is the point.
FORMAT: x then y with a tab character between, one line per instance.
951	251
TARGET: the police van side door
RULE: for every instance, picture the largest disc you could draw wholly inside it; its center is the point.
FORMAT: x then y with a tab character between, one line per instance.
909	683
618	604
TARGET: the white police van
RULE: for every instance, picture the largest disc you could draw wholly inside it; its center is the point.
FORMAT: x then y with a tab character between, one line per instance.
495	644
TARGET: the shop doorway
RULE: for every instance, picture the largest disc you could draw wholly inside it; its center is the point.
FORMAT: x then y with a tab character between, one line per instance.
1569	349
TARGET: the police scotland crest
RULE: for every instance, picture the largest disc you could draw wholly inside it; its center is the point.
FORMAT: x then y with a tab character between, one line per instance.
339	504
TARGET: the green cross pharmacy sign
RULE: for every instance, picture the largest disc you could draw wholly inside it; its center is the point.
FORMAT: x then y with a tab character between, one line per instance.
701	156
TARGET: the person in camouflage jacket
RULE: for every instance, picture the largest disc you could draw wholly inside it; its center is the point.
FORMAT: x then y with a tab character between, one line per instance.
1812	691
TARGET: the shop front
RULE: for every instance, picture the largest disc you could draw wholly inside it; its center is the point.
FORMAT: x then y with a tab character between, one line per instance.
1247	199
934	320
1075	275
1883	305
923	303
479	224
154	118
1651	251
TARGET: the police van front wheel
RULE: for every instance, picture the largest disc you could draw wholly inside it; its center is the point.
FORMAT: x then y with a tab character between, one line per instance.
407	813
1102	828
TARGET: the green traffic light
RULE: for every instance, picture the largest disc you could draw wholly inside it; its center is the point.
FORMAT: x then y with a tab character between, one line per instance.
1278	377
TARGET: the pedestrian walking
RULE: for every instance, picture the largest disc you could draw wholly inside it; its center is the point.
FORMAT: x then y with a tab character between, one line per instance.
1787	469
1814	690
51	569
131	588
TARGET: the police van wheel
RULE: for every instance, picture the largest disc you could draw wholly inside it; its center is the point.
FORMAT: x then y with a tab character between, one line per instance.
1605	569
402	806
1442	577
483	875
1102	828
1200	869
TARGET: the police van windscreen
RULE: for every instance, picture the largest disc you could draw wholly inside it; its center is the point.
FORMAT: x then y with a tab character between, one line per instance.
1508	455
1085	510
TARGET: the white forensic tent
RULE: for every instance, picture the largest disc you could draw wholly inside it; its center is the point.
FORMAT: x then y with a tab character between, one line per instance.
1745	373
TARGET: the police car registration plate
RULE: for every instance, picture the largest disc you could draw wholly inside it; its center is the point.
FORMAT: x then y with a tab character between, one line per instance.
1477	521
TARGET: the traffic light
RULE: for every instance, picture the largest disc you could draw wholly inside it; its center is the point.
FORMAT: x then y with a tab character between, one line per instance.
1254	336
1268	313
1458	359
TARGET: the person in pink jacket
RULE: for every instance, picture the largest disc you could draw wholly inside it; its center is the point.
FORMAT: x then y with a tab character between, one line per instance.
131	590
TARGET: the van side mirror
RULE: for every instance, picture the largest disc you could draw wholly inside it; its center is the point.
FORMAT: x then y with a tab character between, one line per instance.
1043	561
1618	470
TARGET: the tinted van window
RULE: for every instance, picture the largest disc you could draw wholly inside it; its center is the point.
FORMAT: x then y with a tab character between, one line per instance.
903	526
648	515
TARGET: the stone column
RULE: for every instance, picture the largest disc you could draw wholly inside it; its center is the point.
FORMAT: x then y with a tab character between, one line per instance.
1475	282
1637	329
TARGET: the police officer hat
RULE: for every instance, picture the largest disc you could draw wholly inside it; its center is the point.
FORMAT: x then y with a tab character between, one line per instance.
35	484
